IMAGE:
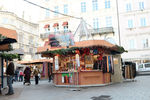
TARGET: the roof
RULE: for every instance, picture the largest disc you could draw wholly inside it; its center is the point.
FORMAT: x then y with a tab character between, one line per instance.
81	44
91	43
12	34
17	51
35	61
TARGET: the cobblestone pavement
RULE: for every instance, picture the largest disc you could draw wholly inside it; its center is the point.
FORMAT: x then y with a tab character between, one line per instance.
138	90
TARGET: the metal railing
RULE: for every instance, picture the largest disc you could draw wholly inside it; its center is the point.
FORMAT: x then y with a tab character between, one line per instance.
105	30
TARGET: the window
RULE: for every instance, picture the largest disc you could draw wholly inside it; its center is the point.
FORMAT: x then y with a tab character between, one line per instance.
95	23
47	13
56	11
141	5
140	66
130	23
143	21
21	38
109	21
95	5
128	7
83	7
65	9
145	43
147	65
131	44
107	3
5	21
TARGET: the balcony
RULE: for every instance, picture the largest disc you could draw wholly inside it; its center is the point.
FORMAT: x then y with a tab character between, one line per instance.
105	30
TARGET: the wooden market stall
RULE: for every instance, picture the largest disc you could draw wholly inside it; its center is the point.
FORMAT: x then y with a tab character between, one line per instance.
7	36
44	66
87	63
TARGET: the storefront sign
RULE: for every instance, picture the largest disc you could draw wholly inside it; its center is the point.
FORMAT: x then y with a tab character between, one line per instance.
56	63
78	60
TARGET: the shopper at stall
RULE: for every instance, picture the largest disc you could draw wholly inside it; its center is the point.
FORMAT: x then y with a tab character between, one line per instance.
27	75
10	74
35	73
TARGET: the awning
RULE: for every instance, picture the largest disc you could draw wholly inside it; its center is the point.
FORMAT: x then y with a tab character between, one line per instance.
55	25
65	24
12	34
7	41
47	26
17	51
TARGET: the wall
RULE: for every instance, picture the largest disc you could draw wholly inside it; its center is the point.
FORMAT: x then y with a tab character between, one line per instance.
117	76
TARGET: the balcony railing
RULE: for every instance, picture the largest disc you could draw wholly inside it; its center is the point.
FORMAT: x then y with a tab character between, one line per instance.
105	30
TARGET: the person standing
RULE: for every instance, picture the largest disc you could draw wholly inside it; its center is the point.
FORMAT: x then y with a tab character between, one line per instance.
35	73
10	74
27	73
21	75
16	74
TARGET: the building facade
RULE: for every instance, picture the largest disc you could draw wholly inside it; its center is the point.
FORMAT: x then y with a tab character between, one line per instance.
135	29
27	34
100	18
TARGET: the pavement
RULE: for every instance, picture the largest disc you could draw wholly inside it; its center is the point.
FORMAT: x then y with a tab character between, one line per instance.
128	90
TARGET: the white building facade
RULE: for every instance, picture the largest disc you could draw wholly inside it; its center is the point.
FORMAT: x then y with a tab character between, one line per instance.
100	16
27	34
135	29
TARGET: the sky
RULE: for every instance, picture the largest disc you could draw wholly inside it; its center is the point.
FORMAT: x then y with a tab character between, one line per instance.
31	12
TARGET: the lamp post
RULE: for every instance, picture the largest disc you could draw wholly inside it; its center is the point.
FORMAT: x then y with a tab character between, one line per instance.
118	21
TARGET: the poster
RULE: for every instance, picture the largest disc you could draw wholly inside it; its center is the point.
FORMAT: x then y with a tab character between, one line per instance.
56	63
78	60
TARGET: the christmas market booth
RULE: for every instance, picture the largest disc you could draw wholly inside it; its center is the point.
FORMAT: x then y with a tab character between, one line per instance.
43	65
86	63
7	36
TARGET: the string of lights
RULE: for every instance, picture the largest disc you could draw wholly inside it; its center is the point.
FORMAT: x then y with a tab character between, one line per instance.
51	10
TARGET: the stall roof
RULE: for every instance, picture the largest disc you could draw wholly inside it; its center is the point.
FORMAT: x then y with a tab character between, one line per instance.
81	44
9	33
91	43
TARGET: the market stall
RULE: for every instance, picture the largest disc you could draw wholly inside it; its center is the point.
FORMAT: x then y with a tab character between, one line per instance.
7	36
43	65
91	62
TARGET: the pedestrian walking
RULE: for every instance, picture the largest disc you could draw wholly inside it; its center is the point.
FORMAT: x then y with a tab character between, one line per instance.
10	74
50	76
21	75
35	73
27	75
16	74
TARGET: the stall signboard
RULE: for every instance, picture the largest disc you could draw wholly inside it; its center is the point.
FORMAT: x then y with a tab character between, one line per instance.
56	63
78	60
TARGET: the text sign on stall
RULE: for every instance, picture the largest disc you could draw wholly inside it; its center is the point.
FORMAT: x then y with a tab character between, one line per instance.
56	63
78	60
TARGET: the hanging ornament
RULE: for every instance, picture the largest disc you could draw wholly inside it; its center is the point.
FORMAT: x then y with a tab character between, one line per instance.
95	51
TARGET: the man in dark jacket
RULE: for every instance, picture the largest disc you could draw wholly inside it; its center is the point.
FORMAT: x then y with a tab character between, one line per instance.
10	74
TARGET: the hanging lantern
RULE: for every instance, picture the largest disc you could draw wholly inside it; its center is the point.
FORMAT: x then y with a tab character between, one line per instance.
58	55
77	52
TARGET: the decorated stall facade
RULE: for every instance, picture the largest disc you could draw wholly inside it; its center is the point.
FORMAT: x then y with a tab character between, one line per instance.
91	62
